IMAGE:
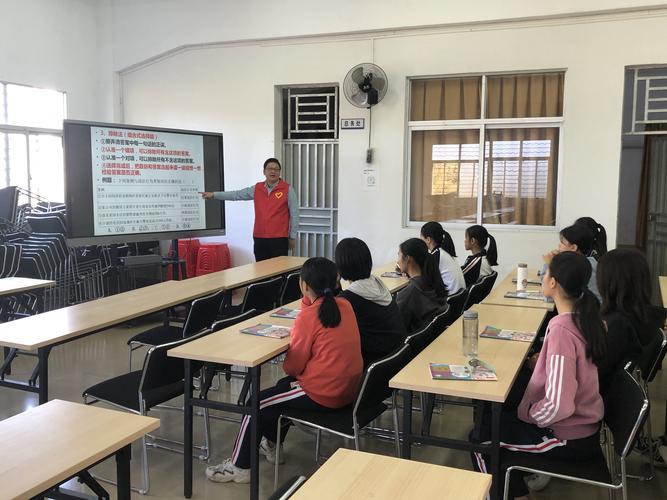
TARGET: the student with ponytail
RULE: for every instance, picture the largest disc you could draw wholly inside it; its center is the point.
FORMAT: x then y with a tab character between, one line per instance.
441	247
560	413
426	294
479	263
599	247
323	365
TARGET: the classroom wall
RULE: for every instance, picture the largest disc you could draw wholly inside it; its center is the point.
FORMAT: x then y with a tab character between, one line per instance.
63	45
230	88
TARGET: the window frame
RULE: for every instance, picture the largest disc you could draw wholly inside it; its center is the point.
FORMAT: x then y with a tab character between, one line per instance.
481	124
25	130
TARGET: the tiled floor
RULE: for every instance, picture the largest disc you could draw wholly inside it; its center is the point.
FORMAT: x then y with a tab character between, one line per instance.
77	365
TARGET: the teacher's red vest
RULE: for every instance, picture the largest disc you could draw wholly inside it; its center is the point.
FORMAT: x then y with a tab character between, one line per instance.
271	211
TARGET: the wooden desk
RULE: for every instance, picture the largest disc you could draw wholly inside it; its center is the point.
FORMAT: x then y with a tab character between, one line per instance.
49	444
663	289
504	355
359	475
497	295
14	285
44	331
230	346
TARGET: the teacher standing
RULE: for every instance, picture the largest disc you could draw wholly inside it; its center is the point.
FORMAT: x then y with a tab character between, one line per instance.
276	211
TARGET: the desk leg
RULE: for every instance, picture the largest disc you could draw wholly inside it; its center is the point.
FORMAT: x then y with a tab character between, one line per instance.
496	410
407	425
43	373
255	374
187	432
123	457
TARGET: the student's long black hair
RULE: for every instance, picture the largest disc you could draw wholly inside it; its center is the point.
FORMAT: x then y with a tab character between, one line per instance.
579	235
321	276
482	236
572	271
599	235
353	259
417	249
441	237
624	282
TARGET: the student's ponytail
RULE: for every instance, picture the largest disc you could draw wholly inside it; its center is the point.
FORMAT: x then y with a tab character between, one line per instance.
417	249
320	275
441	237
448	244
482	237
599	246
572	271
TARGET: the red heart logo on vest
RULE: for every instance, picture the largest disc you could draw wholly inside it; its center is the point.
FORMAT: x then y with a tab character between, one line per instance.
279	194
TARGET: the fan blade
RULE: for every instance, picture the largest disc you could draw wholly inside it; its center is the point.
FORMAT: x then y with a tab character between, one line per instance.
379	83
360	99
358	75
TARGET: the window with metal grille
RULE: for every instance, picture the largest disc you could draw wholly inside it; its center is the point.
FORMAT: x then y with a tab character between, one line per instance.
310	113
31	123
648	86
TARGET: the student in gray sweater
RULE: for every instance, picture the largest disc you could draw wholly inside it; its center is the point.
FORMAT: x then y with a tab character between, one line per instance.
379	320
426	294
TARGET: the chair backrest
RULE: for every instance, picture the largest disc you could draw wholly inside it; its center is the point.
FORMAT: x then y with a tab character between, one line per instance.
291	290
262	296
419	340
202	313
160	370
442	320
375	386
480	290
650	359
626	408
456	303
227	322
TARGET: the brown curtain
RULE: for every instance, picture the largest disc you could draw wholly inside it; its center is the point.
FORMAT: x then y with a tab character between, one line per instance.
446	99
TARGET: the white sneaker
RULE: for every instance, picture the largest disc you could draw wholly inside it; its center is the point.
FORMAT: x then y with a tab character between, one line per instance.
537	482
227	472
268	449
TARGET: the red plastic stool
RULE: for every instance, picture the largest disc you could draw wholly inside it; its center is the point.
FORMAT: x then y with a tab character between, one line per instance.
212	257
187	250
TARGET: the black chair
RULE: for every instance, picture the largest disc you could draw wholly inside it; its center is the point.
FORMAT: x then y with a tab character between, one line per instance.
650	361
262	296
369	405
456	302
480	290
418	341
202	314
160	379
288	488
212	369
626	409
291	290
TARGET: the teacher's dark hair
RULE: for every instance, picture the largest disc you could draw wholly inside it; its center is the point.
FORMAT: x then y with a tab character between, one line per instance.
353	259
321	276
272	160
572	271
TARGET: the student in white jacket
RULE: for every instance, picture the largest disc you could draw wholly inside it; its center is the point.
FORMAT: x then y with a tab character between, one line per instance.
441	247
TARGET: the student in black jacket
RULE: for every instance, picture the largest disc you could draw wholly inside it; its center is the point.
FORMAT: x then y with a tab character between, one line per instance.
624	282
379	320
479	263
426	294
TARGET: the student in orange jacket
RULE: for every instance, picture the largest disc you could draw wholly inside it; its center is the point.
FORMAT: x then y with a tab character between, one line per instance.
323	364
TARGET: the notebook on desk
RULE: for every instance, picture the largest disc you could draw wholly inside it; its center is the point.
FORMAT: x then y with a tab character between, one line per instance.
264	330
527	296
285	312
491	332
480	371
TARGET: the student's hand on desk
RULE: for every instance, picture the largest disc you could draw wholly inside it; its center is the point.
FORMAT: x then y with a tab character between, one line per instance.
207	195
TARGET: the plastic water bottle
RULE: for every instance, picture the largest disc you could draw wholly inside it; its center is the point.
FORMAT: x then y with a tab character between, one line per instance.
522	277
470	333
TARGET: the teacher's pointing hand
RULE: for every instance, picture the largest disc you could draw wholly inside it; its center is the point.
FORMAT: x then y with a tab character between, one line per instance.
207	195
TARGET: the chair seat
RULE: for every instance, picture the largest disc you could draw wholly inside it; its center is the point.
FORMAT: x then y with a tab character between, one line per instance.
594	469
338	420
158	335
123	391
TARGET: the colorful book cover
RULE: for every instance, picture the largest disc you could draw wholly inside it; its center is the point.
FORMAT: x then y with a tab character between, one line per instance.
479	372
273	331
527	295
491	332
285	312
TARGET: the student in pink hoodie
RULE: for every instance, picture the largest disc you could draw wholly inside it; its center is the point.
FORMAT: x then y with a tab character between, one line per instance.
561	410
